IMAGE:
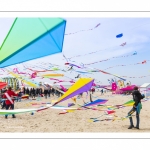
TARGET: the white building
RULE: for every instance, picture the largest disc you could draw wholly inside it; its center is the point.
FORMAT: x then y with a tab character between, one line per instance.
145	89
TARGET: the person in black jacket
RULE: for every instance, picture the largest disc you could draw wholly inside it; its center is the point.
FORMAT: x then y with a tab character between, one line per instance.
137	106
33	93
27	91
30	92
37	91
45	92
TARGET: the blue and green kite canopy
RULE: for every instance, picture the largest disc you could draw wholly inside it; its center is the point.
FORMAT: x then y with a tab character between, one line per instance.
31	38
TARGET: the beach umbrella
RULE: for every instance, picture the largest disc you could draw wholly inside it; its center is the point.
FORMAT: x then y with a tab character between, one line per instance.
2	85
32	38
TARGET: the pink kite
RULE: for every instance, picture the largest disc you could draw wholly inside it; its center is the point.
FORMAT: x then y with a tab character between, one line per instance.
128	88
63	88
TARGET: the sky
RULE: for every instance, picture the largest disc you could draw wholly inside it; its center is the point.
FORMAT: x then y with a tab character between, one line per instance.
136	34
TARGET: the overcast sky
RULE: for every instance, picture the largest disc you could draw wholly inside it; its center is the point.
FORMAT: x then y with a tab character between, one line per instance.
136	34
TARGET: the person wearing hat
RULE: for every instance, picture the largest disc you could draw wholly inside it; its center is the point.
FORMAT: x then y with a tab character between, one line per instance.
137	106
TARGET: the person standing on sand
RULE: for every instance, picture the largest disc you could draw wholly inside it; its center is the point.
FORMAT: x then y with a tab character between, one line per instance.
102	92
24	90
49	91
9	100
30	92
27	91
137	106
45	92
33	93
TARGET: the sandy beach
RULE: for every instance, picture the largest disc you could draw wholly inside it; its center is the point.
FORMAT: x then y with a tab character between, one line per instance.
78	121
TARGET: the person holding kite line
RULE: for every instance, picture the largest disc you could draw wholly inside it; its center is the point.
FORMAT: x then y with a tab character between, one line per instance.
8	95
137	106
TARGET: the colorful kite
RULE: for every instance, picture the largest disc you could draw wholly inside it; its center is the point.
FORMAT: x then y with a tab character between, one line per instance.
72	65
63	88
128	88
119	35
52	75
96	102
107	112
82	85
18	111
31	42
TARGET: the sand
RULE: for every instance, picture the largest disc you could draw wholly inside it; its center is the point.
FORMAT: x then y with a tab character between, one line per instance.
50	121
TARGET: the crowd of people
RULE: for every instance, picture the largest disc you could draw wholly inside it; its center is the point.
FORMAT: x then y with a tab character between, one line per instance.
40	92
29	92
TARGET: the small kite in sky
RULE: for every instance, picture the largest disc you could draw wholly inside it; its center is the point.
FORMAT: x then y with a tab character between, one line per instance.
33	75
97	25
119	35
70	68
144	62
78	76
123	44
135	53
72	65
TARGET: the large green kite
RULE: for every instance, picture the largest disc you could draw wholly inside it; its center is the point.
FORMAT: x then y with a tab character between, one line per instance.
31	38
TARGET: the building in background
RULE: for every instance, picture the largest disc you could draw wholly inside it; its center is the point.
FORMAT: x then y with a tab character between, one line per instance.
145	89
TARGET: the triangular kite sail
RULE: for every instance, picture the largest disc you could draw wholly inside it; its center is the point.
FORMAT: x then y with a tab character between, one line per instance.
31	38
129	103
96	102
82	85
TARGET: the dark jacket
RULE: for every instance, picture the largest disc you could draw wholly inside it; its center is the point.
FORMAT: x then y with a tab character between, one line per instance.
137	97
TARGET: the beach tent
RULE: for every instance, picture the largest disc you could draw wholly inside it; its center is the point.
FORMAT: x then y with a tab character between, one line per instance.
31	38
145	89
